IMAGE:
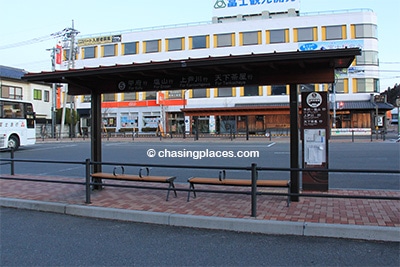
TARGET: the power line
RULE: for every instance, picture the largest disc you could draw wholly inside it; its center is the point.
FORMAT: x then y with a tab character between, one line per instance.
65	32
27	42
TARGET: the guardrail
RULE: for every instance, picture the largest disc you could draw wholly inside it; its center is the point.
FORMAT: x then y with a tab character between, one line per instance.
253	170
352	136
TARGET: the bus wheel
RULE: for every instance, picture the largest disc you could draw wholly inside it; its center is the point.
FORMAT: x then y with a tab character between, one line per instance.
13	142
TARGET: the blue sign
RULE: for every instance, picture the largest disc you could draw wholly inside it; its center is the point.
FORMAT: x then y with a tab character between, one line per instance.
331	45
234	7
308	47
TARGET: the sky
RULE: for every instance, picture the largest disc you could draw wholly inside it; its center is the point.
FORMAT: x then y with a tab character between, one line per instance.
26	26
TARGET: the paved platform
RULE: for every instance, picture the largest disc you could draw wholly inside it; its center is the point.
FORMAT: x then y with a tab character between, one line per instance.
330	217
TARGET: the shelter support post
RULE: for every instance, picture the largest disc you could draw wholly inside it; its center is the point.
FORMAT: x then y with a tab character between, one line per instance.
96	153
294	142
247	127
196	128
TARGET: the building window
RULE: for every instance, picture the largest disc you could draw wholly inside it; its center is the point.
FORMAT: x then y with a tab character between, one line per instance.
108	97
109	50
277	36
365	31
66	54
87	98
130	48
130	96
199	42
199	93
11	92
334	32
37	94
307	87
339	86
250	38
305	34
225	92
152	46
110	120
151	95
278	89
367	85
367	58
224	40
129	120
175	94
175	44
89	52
46	96
250	91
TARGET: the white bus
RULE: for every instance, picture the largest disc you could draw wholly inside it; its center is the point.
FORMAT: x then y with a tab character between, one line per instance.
17	124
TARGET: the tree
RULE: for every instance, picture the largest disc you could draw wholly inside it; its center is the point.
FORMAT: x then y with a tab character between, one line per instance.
392	94
67	116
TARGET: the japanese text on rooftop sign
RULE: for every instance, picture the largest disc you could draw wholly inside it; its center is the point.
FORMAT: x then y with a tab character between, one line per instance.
223	8
99	40
185	82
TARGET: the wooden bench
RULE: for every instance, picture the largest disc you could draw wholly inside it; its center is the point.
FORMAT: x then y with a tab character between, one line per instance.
235	182
138	178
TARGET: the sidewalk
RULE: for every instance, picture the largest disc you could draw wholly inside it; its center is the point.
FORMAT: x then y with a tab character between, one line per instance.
325	217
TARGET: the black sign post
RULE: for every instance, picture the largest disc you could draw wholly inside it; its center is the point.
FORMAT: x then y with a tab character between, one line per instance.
315	134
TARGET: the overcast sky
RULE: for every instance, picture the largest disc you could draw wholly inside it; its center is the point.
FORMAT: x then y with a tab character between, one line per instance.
25	26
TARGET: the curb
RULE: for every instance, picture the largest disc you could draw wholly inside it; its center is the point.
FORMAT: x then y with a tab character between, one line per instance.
376	233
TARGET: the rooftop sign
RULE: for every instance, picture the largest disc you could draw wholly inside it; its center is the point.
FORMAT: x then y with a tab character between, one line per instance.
226	8
99	40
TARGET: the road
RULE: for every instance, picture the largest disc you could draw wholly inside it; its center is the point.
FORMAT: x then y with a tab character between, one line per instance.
30	238
362	156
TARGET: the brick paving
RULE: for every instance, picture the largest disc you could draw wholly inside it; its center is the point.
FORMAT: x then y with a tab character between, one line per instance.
366	212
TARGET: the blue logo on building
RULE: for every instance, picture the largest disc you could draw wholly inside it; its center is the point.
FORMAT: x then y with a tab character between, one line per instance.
308	47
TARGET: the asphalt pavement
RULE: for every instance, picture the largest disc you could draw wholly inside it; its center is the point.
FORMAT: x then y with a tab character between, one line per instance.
367	219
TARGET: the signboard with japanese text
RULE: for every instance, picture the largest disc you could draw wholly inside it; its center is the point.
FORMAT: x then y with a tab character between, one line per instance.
99	40
315	129
227	8
185	82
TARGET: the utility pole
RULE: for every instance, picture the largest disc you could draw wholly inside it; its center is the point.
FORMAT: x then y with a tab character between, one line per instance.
69	34
53	104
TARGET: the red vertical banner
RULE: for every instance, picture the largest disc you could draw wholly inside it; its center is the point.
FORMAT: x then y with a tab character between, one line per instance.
160	98
58	54
58	104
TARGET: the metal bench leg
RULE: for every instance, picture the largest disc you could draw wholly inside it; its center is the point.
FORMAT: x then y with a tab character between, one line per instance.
191	188
288	197
171	185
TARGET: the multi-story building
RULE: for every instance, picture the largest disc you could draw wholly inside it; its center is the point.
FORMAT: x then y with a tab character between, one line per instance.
39	94
275	26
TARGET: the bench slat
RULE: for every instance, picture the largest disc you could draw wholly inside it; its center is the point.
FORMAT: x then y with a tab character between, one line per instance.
131	177
137	178
238	182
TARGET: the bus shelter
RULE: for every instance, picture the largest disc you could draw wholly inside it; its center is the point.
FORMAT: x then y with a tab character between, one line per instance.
293	68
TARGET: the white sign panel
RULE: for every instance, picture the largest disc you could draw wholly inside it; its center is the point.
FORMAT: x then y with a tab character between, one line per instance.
331	45
226	8
350	131
314	146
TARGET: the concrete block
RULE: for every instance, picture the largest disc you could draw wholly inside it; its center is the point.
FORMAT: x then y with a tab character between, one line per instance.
32	205
239	225
378	233
118	214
